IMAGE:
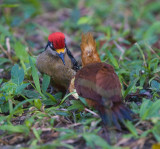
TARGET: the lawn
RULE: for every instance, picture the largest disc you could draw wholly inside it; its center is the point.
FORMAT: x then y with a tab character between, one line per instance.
127	34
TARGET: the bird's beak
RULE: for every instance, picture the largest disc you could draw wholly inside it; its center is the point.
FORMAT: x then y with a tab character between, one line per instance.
60	53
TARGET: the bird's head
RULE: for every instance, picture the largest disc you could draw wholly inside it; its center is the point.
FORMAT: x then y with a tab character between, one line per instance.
56	41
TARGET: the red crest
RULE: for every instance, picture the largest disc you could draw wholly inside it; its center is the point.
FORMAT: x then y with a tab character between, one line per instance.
58	40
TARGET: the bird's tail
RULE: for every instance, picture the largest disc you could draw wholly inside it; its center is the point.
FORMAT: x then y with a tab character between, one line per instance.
118	113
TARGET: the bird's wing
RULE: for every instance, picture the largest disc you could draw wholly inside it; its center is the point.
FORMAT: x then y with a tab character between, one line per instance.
85	83
98	81
108	84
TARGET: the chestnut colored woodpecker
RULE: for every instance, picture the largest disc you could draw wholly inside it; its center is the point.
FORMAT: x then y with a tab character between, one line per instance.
57	62
98	83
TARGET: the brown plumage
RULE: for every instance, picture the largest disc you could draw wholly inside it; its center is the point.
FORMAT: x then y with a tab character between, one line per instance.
88	48
100	85
57	62
50	64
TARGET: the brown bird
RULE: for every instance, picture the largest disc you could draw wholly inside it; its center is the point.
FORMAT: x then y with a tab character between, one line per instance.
100	85
57	62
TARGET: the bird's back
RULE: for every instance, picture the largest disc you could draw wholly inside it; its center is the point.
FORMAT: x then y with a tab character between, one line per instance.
98	81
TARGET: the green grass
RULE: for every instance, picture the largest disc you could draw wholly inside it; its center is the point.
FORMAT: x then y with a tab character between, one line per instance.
127	35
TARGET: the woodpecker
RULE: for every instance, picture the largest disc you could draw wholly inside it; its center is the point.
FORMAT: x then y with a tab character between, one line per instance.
58	62
98	83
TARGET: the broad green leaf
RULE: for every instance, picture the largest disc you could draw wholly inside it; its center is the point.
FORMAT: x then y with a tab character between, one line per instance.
84	20
142	80
45	83
68	136
154	109
58	96
21	52
62	113
144	107
2	99
131	128
83	100
155	85
153	64
112	59
93	139
19	105
149	109
141	51
75	16
54	145
66	97
53	99
38	103
157	70
156	131
131	85
1	80
37	133
145	133
154	28
4	31
61	129
76	105
3	60
30	94
9	5
15	129
2	118
28	122
43	29
49	102
35	75
9	88
17	74
68	133
10	105
5	107
135	107
21	88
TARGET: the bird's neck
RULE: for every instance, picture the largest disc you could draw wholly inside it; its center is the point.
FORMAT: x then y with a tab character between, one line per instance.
52	52
90	59
54	58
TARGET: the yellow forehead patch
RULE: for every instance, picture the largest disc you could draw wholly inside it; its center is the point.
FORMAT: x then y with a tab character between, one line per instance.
60	50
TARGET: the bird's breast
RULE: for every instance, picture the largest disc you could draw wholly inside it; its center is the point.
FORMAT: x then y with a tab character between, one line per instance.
53	66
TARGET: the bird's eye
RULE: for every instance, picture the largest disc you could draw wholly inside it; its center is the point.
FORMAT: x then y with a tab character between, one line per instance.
51	45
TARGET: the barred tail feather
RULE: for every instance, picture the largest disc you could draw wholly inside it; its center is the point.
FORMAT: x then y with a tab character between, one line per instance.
122	112
118	113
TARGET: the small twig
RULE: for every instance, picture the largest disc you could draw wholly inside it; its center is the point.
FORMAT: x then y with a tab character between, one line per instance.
4	51
7	52
95	114
125	83
3	142
153	51
73	125
120	49
139	122
8	45
8	49
141	51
